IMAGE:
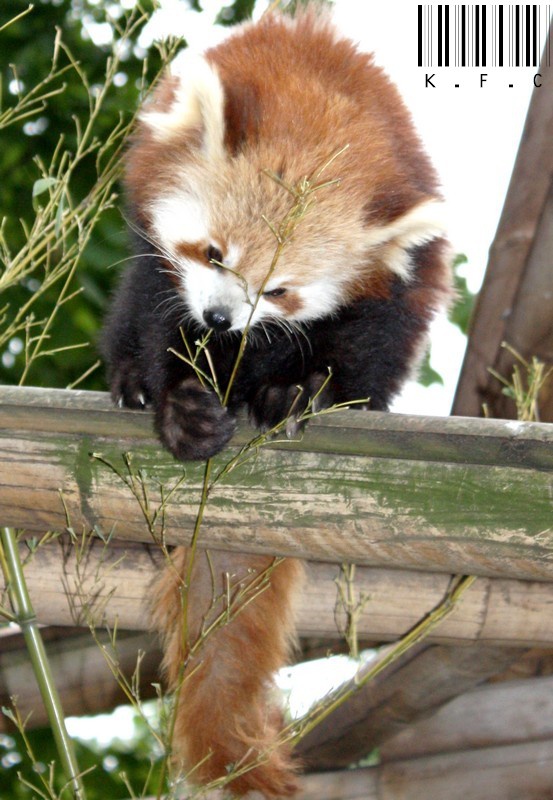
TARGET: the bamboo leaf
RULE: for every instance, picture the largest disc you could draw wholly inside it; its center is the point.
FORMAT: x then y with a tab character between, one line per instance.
42	185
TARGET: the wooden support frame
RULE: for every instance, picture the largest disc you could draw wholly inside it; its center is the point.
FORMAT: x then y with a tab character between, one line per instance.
413	687
411	500
86	683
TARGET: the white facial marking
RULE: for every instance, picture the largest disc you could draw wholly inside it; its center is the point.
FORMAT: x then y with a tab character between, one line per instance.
207	288
199	101
319	298
423	223
233	256
179	218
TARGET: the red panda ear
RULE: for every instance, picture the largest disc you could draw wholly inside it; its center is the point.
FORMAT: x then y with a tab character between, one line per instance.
393	240
197	104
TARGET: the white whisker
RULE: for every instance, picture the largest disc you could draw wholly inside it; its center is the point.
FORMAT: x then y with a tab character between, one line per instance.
132	258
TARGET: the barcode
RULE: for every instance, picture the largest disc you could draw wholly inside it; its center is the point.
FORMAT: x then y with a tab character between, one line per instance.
483	35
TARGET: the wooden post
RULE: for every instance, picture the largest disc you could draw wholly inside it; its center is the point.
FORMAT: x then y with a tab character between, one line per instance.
515	303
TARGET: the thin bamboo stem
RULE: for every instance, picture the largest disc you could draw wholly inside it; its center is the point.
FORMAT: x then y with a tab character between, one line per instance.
413	637
26	618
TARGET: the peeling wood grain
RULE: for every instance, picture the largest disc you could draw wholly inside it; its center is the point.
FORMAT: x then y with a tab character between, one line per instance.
451	510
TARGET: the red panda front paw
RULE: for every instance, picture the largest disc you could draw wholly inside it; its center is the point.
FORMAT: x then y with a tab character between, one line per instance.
127	387
273	404
192	423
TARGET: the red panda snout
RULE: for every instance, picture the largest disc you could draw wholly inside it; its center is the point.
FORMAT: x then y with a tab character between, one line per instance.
218	319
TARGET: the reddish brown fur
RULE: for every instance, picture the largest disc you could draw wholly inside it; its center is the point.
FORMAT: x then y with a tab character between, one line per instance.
378	287
383	174
290	302
150	164
433	282
290	126
267	110
225	714
193	250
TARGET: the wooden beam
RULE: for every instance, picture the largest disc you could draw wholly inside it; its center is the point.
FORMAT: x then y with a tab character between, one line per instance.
411	688
358	784
529	328
84	680
521	772
515	302
537	661
378	489
70	584
493	715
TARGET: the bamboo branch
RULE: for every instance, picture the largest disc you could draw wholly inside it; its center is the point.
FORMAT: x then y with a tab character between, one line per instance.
26	618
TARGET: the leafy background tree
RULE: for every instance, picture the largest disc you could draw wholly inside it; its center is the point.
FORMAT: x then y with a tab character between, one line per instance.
104	767
27	147
27	48
28	45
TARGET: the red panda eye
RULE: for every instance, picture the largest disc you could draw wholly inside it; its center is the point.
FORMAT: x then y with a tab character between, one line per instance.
214	255
275	293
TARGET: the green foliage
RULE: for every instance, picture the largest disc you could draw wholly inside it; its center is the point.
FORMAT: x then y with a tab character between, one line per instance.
427	374
233	13
106	767
30	172
460	315
461	311
35	145
292	5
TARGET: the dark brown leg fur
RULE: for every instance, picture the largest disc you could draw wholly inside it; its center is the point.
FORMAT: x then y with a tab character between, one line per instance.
226	716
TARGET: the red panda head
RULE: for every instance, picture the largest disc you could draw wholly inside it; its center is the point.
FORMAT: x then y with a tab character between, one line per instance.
200	169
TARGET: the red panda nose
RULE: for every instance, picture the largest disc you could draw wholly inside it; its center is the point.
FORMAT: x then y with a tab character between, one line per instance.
218	319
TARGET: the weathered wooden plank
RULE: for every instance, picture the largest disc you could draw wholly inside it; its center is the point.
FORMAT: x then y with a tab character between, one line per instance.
537	661
518	772
377	434
411	688
359	784
352	785
326	497
113	584
522	772
495	714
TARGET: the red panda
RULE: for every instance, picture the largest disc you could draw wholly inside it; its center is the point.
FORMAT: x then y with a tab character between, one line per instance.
210	173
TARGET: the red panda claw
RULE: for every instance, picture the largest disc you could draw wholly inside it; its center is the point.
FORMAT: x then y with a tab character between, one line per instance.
293	427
